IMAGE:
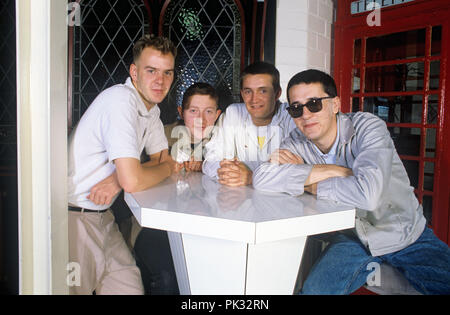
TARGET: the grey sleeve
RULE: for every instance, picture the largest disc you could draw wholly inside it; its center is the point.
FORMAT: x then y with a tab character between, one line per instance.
288	178
373	150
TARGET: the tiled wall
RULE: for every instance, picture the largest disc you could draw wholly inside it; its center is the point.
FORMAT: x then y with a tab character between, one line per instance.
303	37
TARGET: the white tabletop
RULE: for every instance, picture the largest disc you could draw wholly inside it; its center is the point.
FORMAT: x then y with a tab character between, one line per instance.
192	203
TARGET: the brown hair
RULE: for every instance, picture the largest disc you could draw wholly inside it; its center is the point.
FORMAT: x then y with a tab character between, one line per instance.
199	88
160	43
262	67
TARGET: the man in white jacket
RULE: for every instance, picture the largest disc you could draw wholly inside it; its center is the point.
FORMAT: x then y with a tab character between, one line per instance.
249	132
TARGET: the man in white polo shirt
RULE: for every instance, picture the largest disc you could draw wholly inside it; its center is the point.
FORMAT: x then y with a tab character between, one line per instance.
105	147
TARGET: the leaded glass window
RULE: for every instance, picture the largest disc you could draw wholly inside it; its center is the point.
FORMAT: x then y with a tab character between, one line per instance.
102	47
8	117
208	36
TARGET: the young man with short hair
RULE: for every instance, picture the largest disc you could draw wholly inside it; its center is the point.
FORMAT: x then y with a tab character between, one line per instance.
104	157
248	132
351	158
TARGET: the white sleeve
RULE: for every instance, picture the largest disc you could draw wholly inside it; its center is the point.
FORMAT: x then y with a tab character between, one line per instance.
213	151
156	141
118	129
288	178
221	146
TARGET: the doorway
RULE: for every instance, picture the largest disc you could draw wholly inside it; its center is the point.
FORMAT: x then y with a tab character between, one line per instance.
396	69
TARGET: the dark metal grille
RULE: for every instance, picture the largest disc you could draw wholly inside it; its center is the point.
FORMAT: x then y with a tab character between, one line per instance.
8	117
103	46
208	37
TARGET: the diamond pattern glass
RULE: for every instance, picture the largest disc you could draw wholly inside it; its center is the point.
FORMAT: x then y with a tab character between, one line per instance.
8	117
208	37
103	46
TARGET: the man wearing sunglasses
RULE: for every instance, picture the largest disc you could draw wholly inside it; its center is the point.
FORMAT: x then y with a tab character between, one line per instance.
351	159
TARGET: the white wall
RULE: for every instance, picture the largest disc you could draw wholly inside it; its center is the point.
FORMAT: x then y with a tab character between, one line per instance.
42	145
304	40
303	37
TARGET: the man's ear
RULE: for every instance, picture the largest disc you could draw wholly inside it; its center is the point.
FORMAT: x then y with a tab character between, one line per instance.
336	104
133	72
278	94
218	114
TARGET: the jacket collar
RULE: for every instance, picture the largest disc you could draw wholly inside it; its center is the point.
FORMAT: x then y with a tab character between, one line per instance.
346	129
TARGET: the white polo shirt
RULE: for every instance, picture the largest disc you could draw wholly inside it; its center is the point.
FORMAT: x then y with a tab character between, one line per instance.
116	125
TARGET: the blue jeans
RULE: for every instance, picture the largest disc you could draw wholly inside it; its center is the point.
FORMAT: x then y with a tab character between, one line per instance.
343	266
154	259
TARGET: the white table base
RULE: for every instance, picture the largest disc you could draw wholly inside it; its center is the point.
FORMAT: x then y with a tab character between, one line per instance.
214	266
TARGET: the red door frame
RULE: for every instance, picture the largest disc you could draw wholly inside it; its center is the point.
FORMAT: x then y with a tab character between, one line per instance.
398	18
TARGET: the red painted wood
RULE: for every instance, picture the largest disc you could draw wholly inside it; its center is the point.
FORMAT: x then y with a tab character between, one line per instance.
398	18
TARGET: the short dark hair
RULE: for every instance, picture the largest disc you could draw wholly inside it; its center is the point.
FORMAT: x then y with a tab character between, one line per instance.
160	43
199	88
314	76
262	67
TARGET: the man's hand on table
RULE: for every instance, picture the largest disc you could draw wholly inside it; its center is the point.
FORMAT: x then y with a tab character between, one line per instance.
285	157
192	165
173	165
165	157
312	189
234	173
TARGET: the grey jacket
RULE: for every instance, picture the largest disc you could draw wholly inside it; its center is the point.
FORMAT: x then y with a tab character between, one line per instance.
388	215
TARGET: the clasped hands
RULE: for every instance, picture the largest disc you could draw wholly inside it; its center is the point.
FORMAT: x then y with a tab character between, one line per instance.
191	166
234	173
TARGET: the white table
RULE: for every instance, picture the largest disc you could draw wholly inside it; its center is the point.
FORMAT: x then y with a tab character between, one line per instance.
235	240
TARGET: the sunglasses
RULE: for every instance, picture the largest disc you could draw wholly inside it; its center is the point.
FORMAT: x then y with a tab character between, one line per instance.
314	105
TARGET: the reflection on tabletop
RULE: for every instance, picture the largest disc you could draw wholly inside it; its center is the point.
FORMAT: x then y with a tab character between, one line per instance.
197	194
